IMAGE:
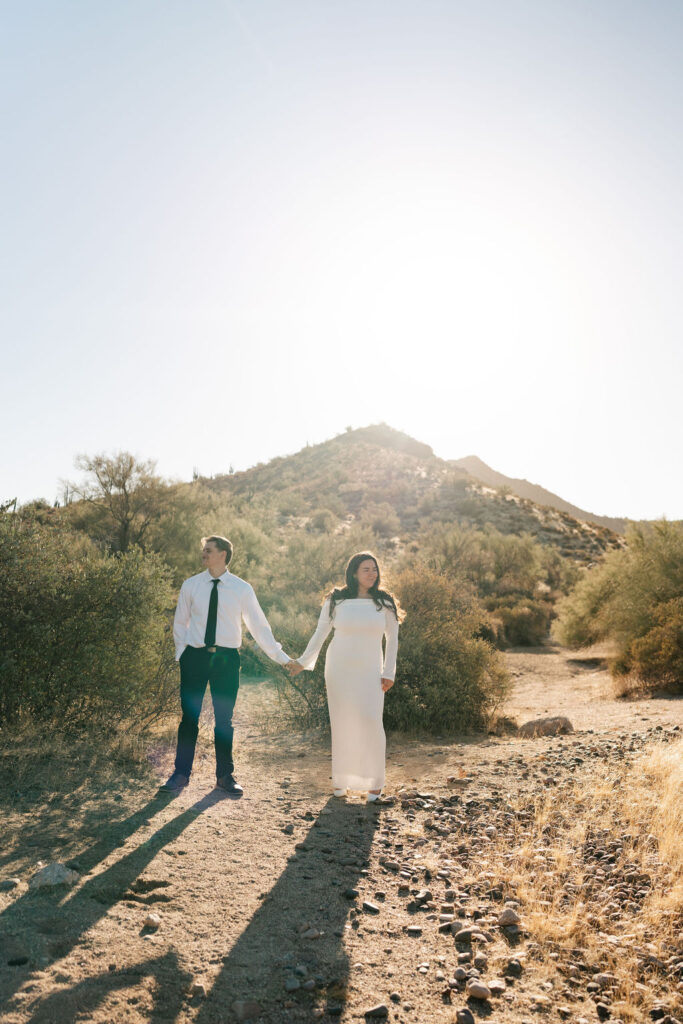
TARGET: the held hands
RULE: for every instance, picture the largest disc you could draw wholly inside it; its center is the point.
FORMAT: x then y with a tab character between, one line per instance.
293	667
387	684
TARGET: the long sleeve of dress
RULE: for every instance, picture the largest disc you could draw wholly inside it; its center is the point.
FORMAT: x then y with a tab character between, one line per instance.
259	627
391	644
322	631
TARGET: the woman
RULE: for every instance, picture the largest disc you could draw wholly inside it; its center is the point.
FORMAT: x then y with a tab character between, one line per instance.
356	680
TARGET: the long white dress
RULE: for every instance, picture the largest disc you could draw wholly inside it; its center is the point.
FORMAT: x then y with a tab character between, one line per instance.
353	678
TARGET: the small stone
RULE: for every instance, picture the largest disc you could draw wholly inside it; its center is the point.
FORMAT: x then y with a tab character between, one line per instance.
350	894
395	997
152	921
460	974
381	1010
198	990
514	969
603	1011
508	917
288	829
8	884
497	986
370	908
477	990
292	984
464	1016
52	875
413	930
311	933
481	961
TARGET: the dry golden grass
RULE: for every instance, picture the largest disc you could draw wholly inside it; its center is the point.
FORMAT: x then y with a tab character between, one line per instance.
626	921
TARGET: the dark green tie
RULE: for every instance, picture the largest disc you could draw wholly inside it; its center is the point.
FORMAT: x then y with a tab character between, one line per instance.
210	634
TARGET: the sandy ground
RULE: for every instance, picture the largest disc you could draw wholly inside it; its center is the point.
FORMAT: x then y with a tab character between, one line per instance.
239	885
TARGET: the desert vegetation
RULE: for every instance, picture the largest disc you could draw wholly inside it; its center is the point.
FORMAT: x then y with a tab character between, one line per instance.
634	600
478	570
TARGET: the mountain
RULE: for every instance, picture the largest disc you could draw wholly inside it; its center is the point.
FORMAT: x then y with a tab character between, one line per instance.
533	492
381	477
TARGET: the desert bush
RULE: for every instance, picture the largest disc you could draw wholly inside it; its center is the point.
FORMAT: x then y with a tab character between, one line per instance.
524	623
517	579
448	678
633	599
657	657
83	636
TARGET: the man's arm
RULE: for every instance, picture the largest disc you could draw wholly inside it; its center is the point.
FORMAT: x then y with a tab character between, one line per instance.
181	620
257	624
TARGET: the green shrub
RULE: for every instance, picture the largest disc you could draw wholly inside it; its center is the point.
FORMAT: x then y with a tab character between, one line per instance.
83	636
449	679
632	599
524	623
657	657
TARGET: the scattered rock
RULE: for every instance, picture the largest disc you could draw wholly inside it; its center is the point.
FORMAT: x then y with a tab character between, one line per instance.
8	884
198	989
52	875
152	921
545	727
497	986
464	1016
477	989
414	931
370	908
379	1011
292	984
508	917
288	829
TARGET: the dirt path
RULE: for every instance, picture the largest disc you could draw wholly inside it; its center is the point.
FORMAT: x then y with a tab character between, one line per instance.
262	900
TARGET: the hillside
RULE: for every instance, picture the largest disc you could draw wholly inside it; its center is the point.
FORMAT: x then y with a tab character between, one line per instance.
383	477
533	492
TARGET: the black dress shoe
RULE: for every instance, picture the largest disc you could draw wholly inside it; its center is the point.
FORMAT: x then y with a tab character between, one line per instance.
175	783
228	785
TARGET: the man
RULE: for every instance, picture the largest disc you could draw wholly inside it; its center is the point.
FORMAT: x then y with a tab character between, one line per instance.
207	631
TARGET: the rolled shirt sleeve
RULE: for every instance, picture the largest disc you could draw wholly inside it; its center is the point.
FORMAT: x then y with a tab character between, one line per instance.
257	624
391	644
322	631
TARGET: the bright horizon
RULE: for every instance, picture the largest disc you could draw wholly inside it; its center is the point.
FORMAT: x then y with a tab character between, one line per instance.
233	229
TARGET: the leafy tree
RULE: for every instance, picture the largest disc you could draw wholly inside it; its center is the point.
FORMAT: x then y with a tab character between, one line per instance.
123	497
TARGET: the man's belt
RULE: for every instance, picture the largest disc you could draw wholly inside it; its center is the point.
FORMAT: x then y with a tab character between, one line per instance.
216	647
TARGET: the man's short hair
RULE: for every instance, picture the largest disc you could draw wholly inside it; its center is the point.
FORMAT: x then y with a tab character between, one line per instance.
223	544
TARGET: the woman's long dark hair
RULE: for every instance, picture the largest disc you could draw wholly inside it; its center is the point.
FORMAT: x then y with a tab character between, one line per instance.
382	598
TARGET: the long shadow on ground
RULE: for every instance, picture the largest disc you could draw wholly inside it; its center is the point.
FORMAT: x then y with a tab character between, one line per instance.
163	975
28	921
325	866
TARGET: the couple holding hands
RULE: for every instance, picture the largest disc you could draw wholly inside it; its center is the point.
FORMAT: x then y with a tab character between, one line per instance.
207	631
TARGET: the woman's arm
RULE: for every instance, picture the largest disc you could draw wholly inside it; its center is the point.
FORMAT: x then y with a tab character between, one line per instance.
323	630
391	648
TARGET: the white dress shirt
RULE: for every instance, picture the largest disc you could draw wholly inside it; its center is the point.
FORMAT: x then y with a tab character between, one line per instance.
236	601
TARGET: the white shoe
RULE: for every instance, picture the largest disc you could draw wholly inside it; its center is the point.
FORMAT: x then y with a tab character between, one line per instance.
372	797
339	792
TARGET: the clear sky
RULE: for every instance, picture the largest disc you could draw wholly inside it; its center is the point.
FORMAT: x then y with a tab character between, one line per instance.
231	228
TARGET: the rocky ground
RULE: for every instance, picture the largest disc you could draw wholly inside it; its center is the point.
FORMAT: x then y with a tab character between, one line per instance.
291	905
